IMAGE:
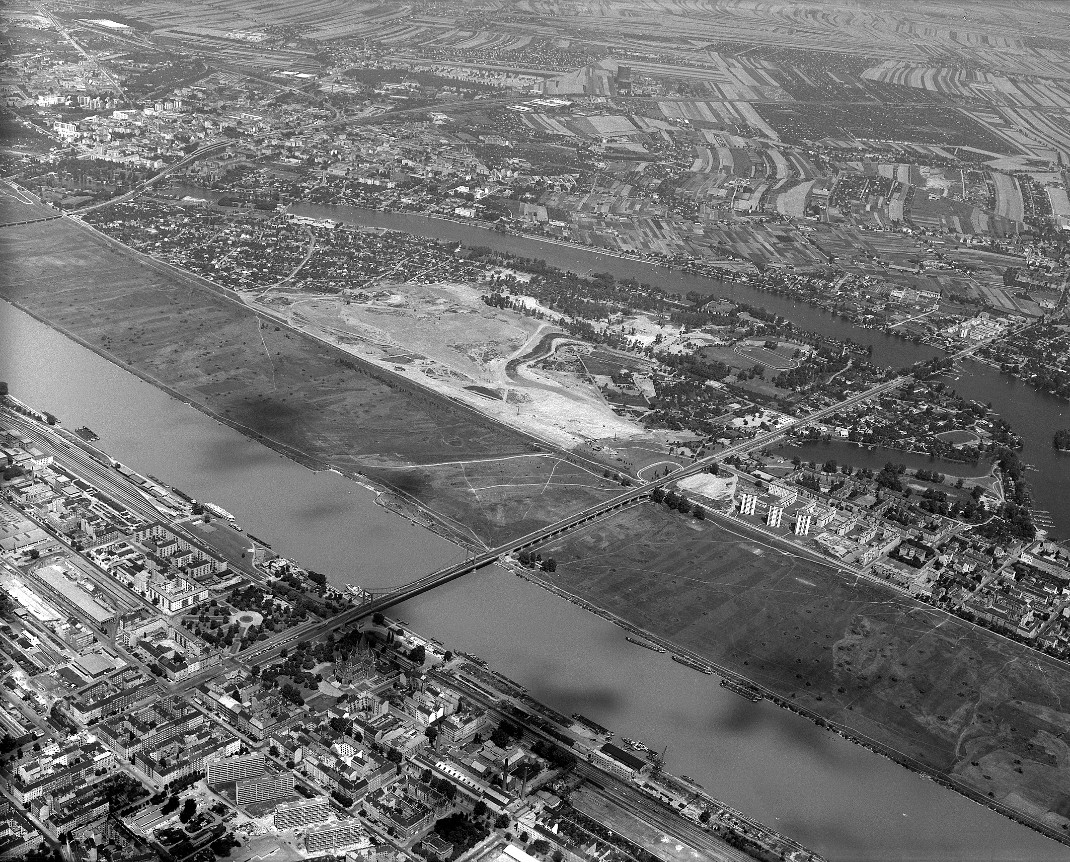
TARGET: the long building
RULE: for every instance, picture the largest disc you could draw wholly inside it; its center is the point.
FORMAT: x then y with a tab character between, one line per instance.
336	836
264	788
236	768
302	813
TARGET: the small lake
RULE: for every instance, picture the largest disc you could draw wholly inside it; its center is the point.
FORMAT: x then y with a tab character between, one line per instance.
844	452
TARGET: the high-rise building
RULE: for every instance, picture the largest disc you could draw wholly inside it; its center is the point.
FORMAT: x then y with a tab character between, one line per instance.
802	523
302	813
264	788
774	516
335	836
236	768
748	502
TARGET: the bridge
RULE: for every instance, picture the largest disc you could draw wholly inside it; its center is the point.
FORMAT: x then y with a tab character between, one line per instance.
262	652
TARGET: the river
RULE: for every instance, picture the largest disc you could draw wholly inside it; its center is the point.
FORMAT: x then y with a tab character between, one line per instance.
835	797
1034	415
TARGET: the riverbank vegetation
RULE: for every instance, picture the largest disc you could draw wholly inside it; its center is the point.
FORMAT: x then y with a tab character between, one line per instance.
889	667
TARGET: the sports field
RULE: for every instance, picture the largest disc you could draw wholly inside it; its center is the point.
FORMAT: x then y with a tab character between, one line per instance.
983	711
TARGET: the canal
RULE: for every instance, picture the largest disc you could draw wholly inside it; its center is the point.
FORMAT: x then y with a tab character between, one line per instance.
837	798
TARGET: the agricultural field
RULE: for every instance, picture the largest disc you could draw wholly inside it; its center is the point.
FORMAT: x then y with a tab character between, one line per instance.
897	671
241	18
920	124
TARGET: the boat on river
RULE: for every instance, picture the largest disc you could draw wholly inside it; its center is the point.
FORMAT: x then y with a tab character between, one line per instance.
742	689
218	511
691	663
645	644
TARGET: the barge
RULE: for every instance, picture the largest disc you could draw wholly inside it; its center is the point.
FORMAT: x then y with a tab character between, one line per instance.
644	644
691	663
752	694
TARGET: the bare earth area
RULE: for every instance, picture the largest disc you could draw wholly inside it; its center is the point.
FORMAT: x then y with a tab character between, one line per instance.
986	714
290	391
445	338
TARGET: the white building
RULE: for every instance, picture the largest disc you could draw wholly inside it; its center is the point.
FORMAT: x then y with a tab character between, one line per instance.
774	516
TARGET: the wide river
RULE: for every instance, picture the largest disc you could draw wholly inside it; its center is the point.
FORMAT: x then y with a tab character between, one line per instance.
835	797
1035	416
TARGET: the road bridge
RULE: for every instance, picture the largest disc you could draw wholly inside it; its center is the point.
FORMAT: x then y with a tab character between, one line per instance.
262	652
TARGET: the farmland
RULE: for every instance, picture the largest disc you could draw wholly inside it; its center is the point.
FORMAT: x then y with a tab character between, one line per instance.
896	671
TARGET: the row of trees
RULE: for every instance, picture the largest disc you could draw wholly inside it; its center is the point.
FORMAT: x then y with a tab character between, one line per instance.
678	502
526	558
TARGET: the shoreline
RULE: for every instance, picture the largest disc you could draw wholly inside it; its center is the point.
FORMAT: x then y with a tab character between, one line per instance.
382	493
382	498
314	464
842	730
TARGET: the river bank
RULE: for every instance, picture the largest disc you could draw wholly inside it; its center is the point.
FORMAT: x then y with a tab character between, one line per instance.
734	678
827	793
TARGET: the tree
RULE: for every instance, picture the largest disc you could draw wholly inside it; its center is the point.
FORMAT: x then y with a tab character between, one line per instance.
524	557
699	512
378	619
292	694
189	808
418	654
170	805
550	565
479	809
502	821
657	495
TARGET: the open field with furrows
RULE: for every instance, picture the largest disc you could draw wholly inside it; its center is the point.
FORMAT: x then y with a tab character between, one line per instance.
989	715
492	500
304	398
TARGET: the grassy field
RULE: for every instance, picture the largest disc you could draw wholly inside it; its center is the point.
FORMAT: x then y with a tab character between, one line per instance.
987	713
504	497
288	390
